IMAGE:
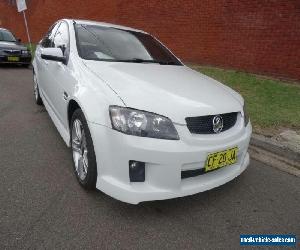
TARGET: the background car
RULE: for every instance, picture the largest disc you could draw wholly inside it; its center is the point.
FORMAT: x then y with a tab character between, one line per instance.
142	126
12	51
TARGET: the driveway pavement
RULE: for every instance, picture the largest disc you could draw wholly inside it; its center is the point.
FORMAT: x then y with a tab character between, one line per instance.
42	206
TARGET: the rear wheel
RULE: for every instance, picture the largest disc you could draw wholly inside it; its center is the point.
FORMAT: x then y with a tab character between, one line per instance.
36	92
84	158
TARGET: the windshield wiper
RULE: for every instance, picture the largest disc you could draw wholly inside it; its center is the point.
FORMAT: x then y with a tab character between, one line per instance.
138	60
168	63
7	41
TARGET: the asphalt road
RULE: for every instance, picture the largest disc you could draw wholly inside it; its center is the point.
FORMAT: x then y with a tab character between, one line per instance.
42	206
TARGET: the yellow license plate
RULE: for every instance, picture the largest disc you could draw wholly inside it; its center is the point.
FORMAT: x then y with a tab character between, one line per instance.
221	159
13	58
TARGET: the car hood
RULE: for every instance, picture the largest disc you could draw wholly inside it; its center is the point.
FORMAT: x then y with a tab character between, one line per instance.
12	45
173	91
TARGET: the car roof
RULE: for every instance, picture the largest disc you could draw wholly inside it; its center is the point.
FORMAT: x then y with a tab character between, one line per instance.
103	24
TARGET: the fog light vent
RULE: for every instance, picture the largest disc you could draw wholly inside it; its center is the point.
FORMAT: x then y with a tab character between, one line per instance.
136	171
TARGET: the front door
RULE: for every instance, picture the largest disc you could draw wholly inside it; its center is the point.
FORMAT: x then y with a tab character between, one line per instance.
61	76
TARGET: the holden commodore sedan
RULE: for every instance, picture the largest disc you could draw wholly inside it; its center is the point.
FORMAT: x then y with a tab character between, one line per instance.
141	125
12	51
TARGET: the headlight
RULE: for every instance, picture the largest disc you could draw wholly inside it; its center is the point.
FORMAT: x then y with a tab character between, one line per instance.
140	123
246	116
25	52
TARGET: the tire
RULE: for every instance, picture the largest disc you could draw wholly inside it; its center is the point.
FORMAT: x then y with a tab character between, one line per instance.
83	154
36	91
26	65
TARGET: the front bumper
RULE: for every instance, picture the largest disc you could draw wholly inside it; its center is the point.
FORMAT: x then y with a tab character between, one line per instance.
165	160
22	59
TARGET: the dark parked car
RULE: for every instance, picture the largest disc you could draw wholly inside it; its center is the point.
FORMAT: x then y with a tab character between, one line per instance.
12	51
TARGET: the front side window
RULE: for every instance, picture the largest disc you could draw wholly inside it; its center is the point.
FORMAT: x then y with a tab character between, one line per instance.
112	44
61	39
47	41
7	36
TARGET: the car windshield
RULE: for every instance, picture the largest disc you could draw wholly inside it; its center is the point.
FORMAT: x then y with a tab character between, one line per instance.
112	44
7	36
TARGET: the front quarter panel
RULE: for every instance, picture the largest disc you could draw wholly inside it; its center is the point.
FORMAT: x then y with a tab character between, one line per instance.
94	96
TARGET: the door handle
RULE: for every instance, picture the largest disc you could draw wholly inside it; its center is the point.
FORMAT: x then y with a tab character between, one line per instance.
65	96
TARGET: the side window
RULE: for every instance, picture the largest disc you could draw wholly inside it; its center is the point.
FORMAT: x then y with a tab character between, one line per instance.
47	41
61	39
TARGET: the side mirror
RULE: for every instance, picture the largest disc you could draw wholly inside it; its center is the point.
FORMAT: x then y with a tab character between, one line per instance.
53	54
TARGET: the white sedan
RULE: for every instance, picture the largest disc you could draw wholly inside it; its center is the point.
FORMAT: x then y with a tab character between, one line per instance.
142	126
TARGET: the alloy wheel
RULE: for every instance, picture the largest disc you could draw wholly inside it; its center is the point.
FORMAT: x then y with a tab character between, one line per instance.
79	148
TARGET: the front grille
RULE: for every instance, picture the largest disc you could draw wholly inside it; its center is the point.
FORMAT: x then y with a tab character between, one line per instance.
195	172
12	52
204	124
192	173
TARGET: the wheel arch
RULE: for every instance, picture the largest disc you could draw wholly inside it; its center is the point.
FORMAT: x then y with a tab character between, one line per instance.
72	106
87	109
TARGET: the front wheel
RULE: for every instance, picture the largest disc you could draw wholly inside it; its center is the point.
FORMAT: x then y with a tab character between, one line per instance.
83	151
26	65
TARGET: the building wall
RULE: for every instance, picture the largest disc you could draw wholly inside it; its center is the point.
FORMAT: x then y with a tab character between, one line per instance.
261	36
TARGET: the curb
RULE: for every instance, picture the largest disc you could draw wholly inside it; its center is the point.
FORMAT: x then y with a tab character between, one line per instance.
274	147
274	161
